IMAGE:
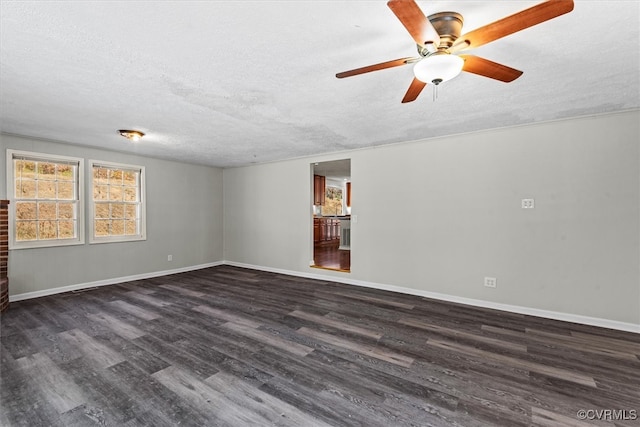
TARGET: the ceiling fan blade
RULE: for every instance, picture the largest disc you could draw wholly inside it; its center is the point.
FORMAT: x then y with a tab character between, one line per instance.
411	16
493	70
376	67
513	23
414	90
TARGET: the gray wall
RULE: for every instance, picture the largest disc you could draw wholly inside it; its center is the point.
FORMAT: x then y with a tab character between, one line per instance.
184	219
439	215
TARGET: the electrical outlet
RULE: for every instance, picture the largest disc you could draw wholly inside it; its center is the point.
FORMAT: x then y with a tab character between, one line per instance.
528	203
490	282
169	257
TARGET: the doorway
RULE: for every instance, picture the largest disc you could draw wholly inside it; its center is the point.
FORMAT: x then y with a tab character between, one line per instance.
331	202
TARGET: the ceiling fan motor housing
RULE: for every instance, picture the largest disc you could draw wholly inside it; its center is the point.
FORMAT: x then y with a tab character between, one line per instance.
448	25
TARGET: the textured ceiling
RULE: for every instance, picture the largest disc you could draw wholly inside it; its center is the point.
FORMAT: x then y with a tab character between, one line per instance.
229	83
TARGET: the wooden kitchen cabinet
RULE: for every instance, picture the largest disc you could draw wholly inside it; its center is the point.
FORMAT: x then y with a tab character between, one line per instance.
316	231
326	230
319	190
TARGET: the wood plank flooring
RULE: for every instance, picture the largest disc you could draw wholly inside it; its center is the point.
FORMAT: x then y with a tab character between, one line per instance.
226	346
330	257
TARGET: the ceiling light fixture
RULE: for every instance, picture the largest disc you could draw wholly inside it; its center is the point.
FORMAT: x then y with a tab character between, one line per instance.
131	135
438	67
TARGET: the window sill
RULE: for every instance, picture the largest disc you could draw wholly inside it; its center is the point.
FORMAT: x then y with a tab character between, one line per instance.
117	240
43	244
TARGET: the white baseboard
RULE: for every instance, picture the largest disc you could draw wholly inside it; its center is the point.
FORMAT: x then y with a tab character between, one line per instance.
567	317
105	282
555	315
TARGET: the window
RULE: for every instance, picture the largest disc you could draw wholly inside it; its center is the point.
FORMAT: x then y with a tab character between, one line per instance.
46	200
333	201
118	202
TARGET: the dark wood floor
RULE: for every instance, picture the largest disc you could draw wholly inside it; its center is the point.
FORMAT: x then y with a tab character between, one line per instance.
330	257
237	347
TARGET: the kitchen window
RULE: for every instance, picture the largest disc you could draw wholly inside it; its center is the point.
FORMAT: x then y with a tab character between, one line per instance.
333	201
45	193
117	208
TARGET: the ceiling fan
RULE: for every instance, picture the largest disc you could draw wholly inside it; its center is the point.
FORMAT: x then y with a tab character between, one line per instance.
438	39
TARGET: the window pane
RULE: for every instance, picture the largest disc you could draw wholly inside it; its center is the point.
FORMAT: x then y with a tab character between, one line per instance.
25	189
130	194
117	210
26	230
46	210
65	173
65	190
117	227
102	210
101	227
47	230
115	192
66	211
66	229
115	177
46	170
131	212
130	178
100	192
100	176
25	169
131	228
26	210
46	190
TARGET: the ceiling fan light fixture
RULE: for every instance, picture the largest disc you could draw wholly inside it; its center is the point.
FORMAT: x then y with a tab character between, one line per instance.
131	135
438	68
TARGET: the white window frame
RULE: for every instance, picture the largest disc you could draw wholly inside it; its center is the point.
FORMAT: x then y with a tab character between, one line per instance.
11	186
142	235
